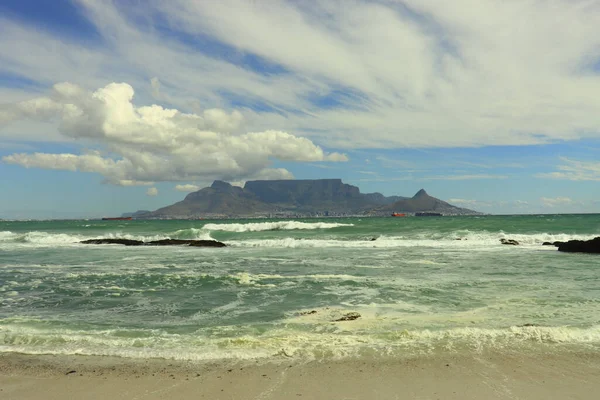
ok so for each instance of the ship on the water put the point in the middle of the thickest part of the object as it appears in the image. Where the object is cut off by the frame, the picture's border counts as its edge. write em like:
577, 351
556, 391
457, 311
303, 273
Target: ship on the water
117, 219
395, 214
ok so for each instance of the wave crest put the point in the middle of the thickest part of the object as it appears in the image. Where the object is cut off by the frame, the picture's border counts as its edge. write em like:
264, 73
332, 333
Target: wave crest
273, 226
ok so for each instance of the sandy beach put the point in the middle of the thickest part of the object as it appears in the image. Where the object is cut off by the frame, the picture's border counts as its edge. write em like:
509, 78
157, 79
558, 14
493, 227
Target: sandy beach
566, 375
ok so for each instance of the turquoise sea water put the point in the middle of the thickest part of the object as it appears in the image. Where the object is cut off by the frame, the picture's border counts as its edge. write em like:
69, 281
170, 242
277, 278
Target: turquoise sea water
417, 288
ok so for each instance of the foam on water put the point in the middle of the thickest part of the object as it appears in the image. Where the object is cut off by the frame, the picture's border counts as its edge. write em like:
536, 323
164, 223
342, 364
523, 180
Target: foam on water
457, 239
291, 341
273, 226
45, 239
417, 288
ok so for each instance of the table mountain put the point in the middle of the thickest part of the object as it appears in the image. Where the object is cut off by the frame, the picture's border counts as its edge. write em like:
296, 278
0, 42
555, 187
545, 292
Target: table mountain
302, 197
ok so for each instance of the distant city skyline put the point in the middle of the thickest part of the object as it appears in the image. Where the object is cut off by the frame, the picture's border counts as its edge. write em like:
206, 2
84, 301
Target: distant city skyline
111, 106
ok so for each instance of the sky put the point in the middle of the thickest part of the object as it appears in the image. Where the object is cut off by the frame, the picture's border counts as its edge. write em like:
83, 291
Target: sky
116, 106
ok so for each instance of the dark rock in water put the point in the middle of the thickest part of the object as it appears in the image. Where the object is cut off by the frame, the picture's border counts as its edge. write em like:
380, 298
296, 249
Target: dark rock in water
126, 242
308, 312
528, 325
179, 242
351, 316
163, 242
509, 241
551, 243
580, 246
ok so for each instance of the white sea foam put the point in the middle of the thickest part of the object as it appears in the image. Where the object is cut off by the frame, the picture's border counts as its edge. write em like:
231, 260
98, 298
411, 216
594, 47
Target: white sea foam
191, 233
273, 226
283, 342
245, 278
432, 239
44, 239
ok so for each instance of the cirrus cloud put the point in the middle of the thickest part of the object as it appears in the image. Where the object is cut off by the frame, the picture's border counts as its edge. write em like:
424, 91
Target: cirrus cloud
411, 73
575, 170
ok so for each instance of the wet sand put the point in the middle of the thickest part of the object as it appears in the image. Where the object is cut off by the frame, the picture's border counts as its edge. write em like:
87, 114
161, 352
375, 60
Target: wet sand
566, 375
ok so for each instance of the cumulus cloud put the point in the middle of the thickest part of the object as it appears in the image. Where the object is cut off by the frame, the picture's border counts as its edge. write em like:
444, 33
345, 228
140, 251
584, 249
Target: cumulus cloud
575, 170
152, 191
153, 144
187, 188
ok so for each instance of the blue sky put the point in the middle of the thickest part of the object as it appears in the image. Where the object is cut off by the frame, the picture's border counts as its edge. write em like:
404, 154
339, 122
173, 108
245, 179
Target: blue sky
114, 106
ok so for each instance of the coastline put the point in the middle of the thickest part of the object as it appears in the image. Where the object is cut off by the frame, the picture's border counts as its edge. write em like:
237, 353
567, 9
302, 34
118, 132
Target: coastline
447, 375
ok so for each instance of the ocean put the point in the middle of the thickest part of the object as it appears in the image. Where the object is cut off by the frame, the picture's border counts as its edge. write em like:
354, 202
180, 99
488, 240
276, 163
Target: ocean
276, 291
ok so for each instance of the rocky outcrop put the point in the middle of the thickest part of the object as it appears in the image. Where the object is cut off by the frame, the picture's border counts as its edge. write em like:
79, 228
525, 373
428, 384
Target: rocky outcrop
163, 242
180, 242
511, 242
126, 242
580, 246
351, 316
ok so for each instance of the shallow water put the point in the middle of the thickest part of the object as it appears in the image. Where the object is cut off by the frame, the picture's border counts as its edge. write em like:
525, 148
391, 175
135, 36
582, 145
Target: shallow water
416, 287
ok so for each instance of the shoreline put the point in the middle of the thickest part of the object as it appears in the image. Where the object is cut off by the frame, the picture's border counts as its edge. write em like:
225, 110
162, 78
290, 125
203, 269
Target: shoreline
489, 375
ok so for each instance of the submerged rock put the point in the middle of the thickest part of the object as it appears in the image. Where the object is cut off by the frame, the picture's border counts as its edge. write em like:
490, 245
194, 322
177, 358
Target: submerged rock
126, 242
163, 242
179, 242
581, 246
509, 241
552, 243
351, 316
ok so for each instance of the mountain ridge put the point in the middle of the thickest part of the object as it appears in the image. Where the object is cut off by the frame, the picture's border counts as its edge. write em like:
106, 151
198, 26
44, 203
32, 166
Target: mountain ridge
307, 197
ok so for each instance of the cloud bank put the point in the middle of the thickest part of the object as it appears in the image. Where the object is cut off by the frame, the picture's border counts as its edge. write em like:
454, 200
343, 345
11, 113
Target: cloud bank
352, 74
143, 145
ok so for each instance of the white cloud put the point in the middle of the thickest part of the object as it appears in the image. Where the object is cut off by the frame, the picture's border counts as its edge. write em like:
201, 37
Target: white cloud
574, 170
556, 201
155, 144
187, 188
416, 73
426, 73
152, 191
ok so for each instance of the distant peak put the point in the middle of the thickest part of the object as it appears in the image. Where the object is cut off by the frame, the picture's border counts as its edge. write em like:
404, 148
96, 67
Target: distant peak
220, 185
421, 193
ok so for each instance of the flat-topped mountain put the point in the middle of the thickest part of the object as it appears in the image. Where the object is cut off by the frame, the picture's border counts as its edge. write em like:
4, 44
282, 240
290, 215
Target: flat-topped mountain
295, 197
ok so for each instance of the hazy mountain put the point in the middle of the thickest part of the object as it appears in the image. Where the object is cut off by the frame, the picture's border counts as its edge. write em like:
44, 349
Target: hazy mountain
422, 202
309, 197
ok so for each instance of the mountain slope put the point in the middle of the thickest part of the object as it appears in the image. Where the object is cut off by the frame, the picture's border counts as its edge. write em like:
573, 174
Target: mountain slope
219, 198
423, 202
304, 197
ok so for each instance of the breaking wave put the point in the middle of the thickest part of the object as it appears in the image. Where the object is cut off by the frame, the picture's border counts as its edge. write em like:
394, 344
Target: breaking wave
40, 238
457, 239
279, 343
273, 226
